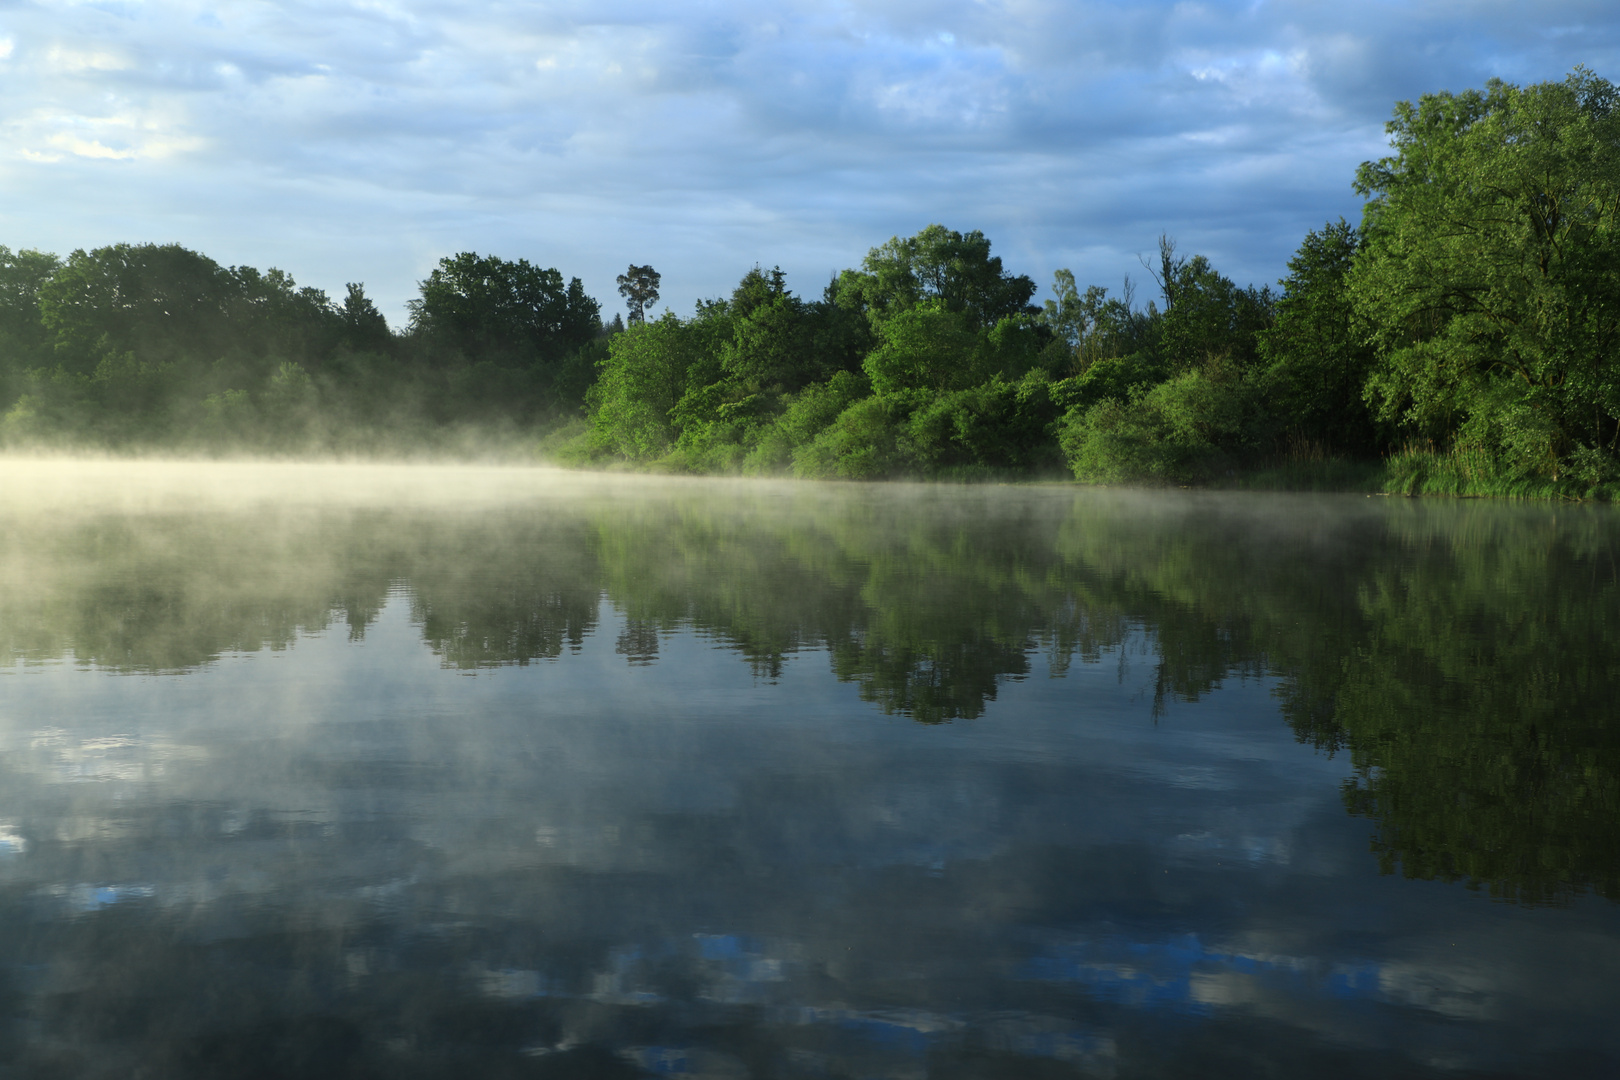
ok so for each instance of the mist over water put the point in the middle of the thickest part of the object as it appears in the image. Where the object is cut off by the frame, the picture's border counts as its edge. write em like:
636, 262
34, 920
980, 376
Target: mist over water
414, 771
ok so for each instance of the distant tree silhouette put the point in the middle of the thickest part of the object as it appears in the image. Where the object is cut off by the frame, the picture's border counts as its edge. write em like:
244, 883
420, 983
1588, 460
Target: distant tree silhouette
639, 287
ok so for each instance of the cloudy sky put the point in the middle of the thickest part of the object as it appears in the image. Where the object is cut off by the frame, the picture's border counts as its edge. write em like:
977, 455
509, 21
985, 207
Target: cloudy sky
360, 141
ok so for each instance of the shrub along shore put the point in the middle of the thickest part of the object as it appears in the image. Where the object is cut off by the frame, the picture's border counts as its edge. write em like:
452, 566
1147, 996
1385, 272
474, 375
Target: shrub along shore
1462, 339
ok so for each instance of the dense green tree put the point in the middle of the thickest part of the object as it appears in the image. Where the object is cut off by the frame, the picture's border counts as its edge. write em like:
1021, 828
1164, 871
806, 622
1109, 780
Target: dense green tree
23, 339
1193, 427
939, 264
866, 441
926, 347
806, 415
269, 315
642, 379
772, 344
25, 344
509, 313
1316, 352
1092, 327
1490, 274
765, 345
762, 347
1186, 406
159, 301
162, 304
364, 327
998, 424
1207, 319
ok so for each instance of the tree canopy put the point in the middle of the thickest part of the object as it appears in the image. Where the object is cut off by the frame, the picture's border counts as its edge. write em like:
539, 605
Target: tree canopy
940, 264
1490, 275
506, 312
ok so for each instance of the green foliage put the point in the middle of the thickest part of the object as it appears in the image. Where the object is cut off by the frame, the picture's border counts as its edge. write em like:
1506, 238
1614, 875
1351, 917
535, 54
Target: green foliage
1491, 273
1193, 427
994, 427
747, 357
938, 264
639, 385
773, 345
1207, 319
927, 347
1092, 328
24, 341
865, 442
364, 327
146, 345
509, 313
164, 299
1114, 377
167, 304
808, 414
1316, 355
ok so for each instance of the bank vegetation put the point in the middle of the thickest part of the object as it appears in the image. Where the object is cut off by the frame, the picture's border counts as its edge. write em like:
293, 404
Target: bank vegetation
1462, 338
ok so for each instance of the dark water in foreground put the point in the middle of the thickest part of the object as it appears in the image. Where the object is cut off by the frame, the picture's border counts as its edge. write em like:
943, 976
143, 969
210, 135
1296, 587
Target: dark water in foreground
618, 779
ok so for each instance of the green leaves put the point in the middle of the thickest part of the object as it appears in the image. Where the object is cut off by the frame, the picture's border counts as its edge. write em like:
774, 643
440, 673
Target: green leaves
927, 347
505, 312
1490, 279
640, 383
162, 301
1316, 356
938, 264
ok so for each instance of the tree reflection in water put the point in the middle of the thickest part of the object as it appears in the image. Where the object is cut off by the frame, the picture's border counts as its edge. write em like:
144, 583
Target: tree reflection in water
1463, 656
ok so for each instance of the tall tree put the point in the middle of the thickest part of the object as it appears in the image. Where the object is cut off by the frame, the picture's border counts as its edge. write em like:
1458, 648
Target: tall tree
364, 327
641, 381
24, 343
1208, 320
938, 264
1491, 273
157, 301
639, 287
1092, 326
1316, 352
510, 313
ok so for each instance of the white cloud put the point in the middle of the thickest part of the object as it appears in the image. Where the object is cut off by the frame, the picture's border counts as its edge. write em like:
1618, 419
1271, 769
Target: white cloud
90, 148
70, 61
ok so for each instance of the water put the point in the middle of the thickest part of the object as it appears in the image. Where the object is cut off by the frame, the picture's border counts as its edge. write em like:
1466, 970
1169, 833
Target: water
417, 773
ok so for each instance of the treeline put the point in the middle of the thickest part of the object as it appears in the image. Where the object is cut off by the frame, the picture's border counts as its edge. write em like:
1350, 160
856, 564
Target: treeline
138, 346
1462, 337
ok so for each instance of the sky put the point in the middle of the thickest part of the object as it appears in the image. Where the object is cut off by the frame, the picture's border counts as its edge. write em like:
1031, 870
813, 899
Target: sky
362, 141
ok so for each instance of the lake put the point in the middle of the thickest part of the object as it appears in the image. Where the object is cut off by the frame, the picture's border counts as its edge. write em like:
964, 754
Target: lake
390, 771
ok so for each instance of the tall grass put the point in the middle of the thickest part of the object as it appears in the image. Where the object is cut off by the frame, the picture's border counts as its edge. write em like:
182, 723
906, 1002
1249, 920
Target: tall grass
1309, 465
1473, 472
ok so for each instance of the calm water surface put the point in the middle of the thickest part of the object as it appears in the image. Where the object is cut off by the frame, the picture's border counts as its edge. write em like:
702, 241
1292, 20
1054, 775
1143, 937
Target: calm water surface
499, 773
